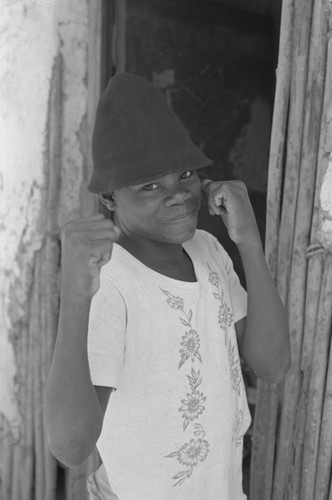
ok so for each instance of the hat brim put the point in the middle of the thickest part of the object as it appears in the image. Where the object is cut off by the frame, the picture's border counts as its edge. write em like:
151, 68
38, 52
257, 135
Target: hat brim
145, 170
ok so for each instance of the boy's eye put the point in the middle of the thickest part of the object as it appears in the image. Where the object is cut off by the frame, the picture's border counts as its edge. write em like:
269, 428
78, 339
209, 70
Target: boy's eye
186, 174
150, 187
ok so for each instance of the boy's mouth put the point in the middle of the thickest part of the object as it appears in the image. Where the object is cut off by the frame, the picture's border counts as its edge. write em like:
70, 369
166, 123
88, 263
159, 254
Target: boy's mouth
183, 215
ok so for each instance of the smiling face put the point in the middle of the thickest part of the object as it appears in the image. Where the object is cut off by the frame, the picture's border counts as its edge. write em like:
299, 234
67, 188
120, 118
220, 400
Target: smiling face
163, 211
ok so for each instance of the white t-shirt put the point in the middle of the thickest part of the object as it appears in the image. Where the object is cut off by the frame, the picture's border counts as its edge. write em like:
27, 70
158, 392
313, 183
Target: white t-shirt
174, 427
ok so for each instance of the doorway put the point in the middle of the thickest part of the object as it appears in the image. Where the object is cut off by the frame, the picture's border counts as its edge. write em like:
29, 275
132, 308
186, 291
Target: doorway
215, 62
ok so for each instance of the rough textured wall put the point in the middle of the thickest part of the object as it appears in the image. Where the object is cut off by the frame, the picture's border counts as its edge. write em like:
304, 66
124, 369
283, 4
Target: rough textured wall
27, 54
45, 124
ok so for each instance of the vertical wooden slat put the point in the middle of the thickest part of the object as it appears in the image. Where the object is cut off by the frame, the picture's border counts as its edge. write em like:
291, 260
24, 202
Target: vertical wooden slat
279, 124
299, 66
51, 256
315, 270
38, 336
314, 279
262, 458
298, 272
26, 466
317, 385
324, 465
75, 479
300, 282
6, 459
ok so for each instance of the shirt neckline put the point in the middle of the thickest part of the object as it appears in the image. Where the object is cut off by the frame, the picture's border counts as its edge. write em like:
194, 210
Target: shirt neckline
163, 277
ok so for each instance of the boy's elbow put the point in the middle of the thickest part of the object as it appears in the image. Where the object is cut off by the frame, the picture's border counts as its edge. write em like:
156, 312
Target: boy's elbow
275, 374
70, 457
73, 450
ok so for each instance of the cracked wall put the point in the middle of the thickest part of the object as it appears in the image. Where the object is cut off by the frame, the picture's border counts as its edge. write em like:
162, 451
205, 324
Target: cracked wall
45, 162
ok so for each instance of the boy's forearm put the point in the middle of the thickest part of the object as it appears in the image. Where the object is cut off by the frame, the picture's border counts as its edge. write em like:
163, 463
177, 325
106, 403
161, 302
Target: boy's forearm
72, 410
266, 339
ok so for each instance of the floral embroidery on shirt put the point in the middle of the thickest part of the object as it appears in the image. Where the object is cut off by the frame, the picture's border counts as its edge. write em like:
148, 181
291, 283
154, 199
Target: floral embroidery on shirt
236, 434
225, 316
192, 452
196, 450
190, 349
190, 341
192, 407
235, 367
225, 320
174, 301
213, 278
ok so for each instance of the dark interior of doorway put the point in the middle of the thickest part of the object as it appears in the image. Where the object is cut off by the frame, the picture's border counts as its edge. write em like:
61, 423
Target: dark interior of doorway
215, 62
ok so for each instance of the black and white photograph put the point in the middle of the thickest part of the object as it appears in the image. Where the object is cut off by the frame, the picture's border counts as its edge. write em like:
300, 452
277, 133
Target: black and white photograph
166, 250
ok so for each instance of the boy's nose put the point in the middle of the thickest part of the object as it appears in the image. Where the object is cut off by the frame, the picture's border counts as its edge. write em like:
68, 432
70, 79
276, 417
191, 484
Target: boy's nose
178, 196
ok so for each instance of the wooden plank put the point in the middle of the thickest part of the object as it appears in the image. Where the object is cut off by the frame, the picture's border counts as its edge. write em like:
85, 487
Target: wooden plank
262, 457
301, 231
317, 384
300, 56
278, 136
324, 464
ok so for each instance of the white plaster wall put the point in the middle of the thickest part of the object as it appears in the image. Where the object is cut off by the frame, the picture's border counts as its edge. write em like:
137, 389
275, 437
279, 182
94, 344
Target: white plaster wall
33, 33
28, 43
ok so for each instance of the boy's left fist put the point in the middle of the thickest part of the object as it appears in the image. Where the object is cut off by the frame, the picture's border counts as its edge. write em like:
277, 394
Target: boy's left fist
230, 200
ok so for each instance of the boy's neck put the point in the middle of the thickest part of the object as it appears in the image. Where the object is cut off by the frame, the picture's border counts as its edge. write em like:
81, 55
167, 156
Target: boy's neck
168, 259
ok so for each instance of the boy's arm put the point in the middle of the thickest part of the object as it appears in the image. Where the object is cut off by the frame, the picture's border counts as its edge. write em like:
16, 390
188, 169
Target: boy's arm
263, 336
74, 408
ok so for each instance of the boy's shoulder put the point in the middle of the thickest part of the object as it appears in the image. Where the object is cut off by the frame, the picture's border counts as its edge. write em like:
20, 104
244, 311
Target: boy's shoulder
206, 241
202, 236
120, 264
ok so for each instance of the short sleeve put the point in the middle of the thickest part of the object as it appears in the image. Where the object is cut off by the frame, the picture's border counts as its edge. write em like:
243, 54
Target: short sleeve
106, 334
237, 293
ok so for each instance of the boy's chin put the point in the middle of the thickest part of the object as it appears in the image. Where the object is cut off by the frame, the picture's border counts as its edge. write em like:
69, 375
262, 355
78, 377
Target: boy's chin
179, 237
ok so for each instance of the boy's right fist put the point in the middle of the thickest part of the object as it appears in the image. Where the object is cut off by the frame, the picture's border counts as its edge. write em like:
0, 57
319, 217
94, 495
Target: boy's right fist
86, 246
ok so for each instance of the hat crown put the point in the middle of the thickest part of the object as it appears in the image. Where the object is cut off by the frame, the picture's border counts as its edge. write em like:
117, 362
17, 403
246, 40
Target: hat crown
136, 135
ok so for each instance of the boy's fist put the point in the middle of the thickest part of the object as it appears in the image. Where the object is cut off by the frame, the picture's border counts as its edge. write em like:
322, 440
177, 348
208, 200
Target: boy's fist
230, 200
86, 246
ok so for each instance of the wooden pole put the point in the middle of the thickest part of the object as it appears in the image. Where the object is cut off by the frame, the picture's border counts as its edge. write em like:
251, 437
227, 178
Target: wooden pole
317, 385
302, 284
75, 479
298, 274
277, 146
262, 458
324, 463
6, 461
299, 65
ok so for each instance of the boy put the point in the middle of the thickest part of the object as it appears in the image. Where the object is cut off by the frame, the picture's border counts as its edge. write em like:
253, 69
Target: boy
146, 361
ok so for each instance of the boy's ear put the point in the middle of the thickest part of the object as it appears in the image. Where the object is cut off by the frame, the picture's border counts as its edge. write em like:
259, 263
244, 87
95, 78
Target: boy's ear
108, 201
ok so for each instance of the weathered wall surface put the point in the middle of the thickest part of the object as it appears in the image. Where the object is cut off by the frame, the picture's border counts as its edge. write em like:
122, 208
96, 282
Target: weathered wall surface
45, 124
27, 54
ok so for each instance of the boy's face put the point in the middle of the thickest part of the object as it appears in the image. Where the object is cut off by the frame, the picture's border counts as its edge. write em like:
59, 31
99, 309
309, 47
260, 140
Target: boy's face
164, 210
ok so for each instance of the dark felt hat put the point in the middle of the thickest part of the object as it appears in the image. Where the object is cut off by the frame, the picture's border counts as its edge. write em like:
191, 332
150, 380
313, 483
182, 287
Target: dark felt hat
137, 137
